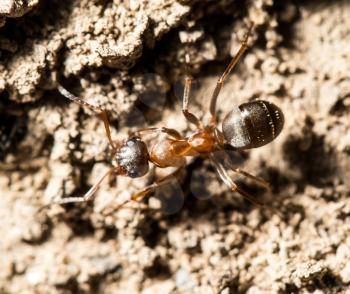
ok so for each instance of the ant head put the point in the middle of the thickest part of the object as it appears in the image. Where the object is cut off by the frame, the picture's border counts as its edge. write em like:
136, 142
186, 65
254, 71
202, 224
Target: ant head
132, 158
252, 124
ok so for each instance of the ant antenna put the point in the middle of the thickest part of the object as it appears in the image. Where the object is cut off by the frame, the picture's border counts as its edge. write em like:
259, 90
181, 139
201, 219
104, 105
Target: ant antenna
80, 101
97, 109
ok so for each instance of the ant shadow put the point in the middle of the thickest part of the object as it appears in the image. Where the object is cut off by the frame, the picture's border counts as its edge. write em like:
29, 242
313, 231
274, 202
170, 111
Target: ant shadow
311, 157
13, 129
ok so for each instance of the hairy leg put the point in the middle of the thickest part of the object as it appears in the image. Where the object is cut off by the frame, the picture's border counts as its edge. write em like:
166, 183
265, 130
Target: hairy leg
223, 174
145, 191
188, 115
260, 181
170, 132
222, 79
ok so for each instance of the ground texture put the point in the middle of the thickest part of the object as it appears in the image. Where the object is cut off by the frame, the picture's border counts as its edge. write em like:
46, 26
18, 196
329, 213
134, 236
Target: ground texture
129, 57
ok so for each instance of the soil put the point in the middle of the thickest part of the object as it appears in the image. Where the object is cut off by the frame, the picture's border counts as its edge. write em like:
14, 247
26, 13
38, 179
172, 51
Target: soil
193, 236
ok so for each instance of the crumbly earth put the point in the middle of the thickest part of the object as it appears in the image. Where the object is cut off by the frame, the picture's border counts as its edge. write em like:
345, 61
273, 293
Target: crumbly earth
193, 236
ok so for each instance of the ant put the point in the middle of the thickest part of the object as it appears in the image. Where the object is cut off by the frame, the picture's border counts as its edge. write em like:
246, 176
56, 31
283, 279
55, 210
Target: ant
250, 125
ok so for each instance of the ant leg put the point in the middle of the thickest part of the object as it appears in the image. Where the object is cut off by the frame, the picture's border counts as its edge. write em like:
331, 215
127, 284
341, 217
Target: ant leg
222, 172
97, 109
170, 132
86, 197
261, 181
220, 82
144, 192
188, 115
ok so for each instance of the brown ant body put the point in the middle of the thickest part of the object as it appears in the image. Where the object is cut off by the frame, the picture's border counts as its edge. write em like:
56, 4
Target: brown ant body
249, 125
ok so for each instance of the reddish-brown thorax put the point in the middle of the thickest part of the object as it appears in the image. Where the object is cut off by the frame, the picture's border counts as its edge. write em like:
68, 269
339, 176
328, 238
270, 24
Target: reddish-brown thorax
170, 152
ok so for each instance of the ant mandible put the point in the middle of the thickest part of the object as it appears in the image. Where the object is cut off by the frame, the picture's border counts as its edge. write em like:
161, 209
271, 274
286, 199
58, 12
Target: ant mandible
250, 125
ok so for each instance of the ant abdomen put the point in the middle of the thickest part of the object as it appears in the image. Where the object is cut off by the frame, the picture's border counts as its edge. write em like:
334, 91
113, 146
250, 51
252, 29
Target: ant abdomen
132, 158
252, 124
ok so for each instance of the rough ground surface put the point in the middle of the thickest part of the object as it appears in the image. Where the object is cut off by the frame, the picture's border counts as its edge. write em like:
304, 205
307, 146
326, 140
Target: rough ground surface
128, 56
